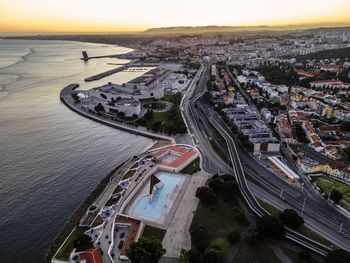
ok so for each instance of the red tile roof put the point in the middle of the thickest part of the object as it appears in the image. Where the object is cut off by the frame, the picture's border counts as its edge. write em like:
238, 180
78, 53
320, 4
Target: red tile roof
183, 153
134, 227
183, 158
91, 255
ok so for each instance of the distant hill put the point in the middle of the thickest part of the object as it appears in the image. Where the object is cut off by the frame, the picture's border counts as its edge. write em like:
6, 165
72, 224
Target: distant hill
205, 29
185, 30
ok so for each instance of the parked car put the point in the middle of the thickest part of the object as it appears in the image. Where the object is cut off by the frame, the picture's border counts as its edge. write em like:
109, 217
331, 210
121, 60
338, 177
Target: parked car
123, 258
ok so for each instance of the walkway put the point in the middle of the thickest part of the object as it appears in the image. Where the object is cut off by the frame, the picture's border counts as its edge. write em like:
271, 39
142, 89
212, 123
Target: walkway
279, 252
177, 236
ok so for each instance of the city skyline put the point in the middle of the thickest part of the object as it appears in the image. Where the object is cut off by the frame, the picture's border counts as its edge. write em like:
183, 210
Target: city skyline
112, 16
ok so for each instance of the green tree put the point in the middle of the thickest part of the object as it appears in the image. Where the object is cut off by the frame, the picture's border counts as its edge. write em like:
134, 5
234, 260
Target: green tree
82, 243
338, 256
345, 126
291, 218
211, 255
231, 188
336, 196
233, 236
206, 195
216, 184
270, 227
346, 153
99, 108
184, 256
145, 251
199, 236
227, 177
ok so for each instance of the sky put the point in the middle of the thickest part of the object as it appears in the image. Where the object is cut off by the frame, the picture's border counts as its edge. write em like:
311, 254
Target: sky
135, 15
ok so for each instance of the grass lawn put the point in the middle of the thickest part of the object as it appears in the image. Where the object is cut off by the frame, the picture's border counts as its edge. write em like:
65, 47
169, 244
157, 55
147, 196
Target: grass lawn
294, 256
134, 166
153, 233
157, 117
64, 252
111, 202
118, 189
192, 167
129, 174
313, 235
327, 184
168, 122
258, 253
98, 221
219, 220
269, 208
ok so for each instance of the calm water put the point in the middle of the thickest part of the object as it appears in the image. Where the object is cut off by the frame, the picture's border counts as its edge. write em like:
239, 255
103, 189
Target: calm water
50, 157
153, 210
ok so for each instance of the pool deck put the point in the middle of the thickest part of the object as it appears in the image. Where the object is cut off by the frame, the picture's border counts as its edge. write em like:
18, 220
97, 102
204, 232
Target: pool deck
177, 236
174, 200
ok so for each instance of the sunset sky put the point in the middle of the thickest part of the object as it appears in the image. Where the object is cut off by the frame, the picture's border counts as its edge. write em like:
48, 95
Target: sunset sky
131, 15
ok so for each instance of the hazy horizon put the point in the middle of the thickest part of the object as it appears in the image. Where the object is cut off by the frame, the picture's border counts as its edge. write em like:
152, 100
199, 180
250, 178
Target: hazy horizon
274, 27
107, 16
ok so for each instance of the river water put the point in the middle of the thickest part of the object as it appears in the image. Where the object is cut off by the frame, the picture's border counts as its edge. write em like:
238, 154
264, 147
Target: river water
50, 157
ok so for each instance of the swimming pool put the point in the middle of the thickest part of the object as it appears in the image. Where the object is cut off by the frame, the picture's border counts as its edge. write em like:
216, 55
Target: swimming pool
154, 210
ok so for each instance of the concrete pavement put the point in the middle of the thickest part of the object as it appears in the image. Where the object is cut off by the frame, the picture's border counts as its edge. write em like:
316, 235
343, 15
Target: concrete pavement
177, 236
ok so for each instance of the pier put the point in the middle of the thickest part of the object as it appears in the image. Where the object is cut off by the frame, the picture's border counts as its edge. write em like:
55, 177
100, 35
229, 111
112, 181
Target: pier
86, 57
106, 73
119, 69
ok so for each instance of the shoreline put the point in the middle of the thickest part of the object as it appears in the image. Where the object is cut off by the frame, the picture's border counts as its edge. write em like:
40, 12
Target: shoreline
76, 216
74, 219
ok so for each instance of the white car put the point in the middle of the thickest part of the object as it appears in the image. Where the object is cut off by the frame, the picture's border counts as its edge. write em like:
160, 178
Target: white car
123, 258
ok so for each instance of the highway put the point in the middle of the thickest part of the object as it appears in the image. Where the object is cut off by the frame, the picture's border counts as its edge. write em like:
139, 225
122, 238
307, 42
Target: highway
212, 163
315, 205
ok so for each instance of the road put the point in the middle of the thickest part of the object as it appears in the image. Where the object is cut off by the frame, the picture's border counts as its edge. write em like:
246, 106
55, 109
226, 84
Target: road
315, 205
213, 163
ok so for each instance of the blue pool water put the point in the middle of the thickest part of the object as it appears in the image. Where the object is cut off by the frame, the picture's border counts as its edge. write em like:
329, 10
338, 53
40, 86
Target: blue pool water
154, 210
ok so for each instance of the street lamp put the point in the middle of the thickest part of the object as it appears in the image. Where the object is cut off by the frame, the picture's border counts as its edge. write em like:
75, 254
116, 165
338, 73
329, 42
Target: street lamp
281, 193
302, 210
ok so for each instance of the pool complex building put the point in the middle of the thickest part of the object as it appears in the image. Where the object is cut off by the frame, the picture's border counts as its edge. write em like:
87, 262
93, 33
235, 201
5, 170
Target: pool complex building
149, 207
153, 201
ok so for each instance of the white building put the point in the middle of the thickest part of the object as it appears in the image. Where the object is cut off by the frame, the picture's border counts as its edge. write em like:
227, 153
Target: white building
130, 107
138, 91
